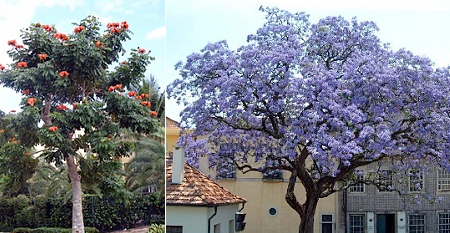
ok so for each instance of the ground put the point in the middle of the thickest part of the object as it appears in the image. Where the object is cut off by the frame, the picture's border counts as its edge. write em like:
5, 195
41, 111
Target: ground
142, 229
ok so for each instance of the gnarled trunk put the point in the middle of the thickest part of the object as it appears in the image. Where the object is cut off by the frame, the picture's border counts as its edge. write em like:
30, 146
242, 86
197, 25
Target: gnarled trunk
77, 208
307, 210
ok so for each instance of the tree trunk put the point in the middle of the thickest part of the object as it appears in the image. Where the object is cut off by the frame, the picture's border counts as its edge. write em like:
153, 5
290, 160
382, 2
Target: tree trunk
307, 214
77, 208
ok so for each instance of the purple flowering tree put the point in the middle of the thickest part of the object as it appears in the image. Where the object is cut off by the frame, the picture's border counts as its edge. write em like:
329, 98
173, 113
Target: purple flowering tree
322, 100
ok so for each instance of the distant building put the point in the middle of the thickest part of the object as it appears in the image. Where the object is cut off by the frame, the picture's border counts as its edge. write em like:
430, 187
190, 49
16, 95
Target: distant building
195, 203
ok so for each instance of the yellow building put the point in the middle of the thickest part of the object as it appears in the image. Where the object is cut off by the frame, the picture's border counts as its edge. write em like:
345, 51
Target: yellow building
266, 208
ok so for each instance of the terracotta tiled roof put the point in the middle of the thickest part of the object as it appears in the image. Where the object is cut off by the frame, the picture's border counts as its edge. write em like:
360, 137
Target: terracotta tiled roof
171, 124
196, 189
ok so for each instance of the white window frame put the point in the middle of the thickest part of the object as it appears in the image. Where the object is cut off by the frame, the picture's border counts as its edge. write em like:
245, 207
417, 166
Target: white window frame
391, 181
443, 180
424, 225
445, 225
350, 227
413, 183
327, 222
358, 188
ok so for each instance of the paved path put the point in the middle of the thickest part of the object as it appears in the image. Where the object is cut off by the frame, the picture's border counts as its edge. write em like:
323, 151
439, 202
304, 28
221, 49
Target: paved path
143, 229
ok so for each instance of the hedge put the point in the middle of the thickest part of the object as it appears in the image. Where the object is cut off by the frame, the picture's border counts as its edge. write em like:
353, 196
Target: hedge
105, 214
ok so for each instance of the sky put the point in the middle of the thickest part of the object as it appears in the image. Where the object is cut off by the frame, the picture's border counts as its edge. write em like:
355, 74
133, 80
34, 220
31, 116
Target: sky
146, 20
416, 25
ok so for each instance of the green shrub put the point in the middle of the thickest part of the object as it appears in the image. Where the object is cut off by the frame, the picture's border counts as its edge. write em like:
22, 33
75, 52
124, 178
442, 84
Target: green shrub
22, 230
156, 228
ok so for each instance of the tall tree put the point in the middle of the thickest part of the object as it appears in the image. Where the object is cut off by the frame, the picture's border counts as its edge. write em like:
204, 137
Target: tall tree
321, 100
67, 86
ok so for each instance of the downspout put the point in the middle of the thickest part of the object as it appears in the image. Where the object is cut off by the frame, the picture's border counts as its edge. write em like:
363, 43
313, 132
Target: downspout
243, 205
345, 208
209, 219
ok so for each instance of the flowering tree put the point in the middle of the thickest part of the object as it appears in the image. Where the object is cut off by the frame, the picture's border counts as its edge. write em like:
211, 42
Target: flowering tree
72, 104
319, 100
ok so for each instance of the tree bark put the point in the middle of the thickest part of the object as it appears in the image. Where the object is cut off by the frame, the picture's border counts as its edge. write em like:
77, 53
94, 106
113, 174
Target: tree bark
307, 213
77, 208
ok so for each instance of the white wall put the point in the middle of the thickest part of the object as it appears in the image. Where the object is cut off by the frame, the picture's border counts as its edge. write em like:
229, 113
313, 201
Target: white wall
193, 219
223, 217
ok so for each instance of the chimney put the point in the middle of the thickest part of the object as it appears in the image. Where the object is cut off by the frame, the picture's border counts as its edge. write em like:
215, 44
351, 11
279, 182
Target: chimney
178, 165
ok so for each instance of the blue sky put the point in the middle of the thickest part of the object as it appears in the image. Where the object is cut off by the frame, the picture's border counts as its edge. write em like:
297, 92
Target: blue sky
145, 17
419, 26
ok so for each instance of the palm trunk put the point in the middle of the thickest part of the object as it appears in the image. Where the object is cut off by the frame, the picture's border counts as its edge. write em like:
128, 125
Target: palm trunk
77, 208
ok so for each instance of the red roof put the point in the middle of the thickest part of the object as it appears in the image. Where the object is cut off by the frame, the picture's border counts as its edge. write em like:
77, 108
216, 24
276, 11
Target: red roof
196, 189
171, 124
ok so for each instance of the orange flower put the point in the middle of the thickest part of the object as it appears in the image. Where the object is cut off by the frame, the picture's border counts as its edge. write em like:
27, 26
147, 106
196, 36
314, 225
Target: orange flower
119, 86
111, 88
12, 110
146, 103
141, 50
138, 97
22, 64
63, 74
26, 92
27, 154
114, 30
98, 44
31, 101
74, 106
132, 93
124, 25
123, 63
62, 107
42, 56
61, 36
38, 25
153, 113
53, 128
19, 46
78, 29
2, 67
2, 130
47, 28
12, 42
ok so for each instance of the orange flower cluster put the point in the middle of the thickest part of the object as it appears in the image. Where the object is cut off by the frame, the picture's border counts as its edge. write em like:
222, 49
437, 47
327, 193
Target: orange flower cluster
27, 154
114, 30
26, 92
53, 128
42, 56
62, 107
113, 88
132, 93
114, 27
19, 46
47, 28
61, 36
78, 29
63, 74
98, 44
31, 101
22, 64
123, 63
141, 50
146, 103
2, 130
153, 113
12, 42
144, 96
38, 25
12, 110
74, 106
2, 67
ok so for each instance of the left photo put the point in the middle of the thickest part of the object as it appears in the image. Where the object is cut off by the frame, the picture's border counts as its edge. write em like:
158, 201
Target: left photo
82, 116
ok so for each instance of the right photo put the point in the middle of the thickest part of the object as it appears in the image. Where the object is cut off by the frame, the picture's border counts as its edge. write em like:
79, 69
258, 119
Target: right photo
307, 116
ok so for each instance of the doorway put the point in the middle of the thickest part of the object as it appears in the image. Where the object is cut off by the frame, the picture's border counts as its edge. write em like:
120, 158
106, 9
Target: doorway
385, 223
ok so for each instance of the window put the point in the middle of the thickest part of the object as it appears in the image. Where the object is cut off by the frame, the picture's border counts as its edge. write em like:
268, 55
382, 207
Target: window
174, 229
358, 187
415, 181
385, 181
416, 223
443, 181
357, 223
271, 174
326, 223
444, 223
231, 226
217, 228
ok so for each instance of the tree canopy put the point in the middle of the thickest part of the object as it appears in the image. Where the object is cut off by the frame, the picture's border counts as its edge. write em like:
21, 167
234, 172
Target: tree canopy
321, 100
77, 99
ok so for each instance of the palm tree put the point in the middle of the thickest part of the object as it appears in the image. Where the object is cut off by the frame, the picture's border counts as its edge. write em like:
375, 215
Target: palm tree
146, 168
